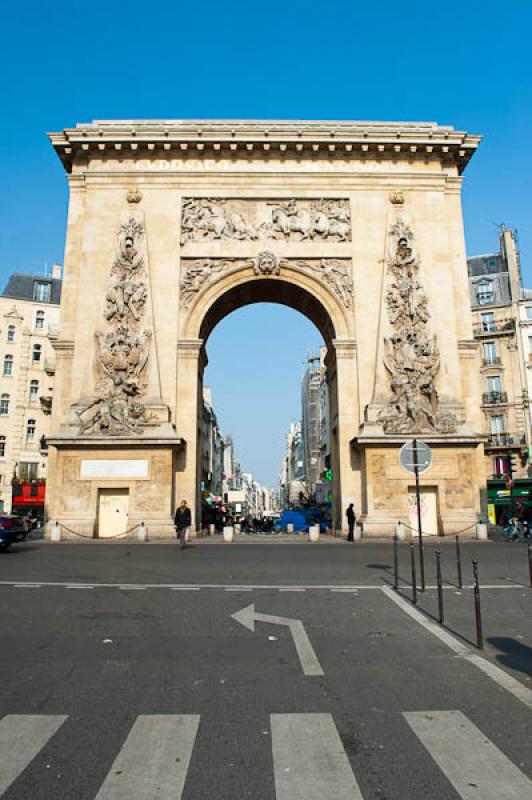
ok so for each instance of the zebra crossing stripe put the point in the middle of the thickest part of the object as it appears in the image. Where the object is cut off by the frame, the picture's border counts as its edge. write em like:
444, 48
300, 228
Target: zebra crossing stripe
154, 759
309, 759
475, 767
21, 738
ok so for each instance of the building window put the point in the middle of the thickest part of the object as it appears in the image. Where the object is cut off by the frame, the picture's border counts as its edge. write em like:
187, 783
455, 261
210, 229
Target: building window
36, 354
8, 365
488, 321
10, 333
4, 404
30, 430
2, 446
27, 471
497, 425
494, 384
484, 293
490, 353
34, 390
42, 292
502, 466
39, 320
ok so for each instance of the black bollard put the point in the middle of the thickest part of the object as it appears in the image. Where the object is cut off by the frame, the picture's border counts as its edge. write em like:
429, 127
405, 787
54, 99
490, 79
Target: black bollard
414, 579
476, 589
440, 588
395, 563
458, 564
530, 563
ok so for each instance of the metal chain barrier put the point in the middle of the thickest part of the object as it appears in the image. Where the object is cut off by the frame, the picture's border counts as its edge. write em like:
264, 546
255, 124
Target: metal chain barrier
88, 536
455, 533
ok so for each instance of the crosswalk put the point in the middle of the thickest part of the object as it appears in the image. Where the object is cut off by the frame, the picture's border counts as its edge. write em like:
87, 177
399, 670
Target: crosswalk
309, 759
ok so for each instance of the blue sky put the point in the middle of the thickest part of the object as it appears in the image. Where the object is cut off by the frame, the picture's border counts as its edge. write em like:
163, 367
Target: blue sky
466, 64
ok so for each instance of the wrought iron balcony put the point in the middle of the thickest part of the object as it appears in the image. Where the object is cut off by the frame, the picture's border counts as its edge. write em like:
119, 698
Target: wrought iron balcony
491, 361
494, 398
494, 328
505, 440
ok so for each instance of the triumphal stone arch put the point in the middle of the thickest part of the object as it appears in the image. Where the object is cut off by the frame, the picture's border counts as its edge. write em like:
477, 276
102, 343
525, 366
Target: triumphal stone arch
174, 224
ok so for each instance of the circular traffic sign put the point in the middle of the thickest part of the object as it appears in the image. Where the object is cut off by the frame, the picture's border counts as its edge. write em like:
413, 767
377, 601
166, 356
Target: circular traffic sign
408, 453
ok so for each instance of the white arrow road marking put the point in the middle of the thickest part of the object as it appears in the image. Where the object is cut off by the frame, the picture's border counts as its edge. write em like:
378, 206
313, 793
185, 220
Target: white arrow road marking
309, 660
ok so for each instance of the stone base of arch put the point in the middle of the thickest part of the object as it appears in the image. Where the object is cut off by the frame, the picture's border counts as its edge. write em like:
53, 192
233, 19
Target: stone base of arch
452, 483
80, 470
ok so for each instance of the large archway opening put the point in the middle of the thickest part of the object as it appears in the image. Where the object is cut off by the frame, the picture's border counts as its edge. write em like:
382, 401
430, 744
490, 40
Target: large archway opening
306, 296
263, 444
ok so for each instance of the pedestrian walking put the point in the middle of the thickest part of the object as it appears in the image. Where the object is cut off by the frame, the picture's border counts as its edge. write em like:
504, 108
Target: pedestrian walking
351, 522
182, 522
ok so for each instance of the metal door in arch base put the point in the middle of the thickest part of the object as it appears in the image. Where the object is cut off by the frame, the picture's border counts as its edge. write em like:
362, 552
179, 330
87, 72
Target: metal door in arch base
428, 496
113, 510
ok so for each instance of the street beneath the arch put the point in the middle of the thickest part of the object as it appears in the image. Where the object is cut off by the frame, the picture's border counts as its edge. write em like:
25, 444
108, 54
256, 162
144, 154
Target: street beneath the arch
124, 673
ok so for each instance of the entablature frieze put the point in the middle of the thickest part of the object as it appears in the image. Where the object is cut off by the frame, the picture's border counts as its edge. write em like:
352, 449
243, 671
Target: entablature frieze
301, 138
234, 184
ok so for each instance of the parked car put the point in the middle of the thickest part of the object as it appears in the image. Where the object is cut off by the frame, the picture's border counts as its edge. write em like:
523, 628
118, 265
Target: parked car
12, 529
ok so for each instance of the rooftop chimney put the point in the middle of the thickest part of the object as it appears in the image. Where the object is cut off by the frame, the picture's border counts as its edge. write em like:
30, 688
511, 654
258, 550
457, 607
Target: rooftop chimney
57, 269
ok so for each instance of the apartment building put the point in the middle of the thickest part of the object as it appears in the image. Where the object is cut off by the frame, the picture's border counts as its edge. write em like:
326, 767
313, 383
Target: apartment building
500, 320
29, 313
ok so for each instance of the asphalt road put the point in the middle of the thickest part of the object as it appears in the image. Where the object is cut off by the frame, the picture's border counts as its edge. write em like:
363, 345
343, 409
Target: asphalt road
159, 675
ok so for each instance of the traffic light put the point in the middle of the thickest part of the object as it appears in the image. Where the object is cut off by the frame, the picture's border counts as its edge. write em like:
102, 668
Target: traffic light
514, 463
328, 474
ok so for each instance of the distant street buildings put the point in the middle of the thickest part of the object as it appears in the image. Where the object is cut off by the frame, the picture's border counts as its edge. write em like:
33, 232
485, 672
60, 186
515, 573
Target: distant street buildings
225, 488
305, 471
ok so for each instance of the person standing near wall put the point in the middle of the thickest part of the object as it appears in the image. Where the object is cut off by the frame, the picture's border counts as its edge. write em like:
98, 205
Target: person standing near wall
351, 521
182, 522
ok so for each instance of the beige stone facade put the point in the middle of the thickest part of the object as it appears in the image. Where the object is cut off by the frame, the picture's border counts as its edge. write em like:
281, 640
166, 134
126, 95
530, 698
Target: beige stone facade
173, 225
497, 303
27, 367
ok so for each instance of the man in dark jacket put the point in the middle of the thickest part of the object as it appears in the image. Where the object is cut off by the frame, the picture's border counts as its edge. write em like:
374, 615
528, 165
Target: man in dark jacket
182, 522
351, 519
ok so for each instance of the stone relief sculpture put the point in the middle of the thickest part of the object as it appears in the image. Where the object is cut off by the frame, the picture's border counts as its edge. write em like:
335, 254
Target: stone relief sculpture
266, 263
246, 220
121, 350
411, 355
335, 273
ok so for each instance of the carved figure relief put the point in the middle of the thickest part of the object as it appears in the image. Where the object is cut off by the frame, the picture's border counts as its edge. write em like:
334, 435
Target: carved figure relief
411, 355
121, 350
335, 273
249, 220
266, 263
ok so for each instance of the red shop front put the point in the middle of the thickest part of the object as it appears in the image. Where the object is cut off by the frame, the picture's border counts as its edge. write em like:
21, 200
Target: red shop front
28, 496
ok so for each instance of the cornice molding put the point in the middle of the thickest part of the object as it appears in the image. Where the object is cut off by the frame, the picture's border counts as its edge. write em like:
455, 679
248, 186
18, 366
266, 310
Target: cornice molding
304, 138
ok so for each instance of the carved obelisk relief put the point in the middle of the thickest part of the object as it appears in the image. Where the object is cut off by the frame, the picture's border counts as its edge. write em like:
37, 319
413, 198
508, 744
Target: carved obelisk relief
411, 356
123, 343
